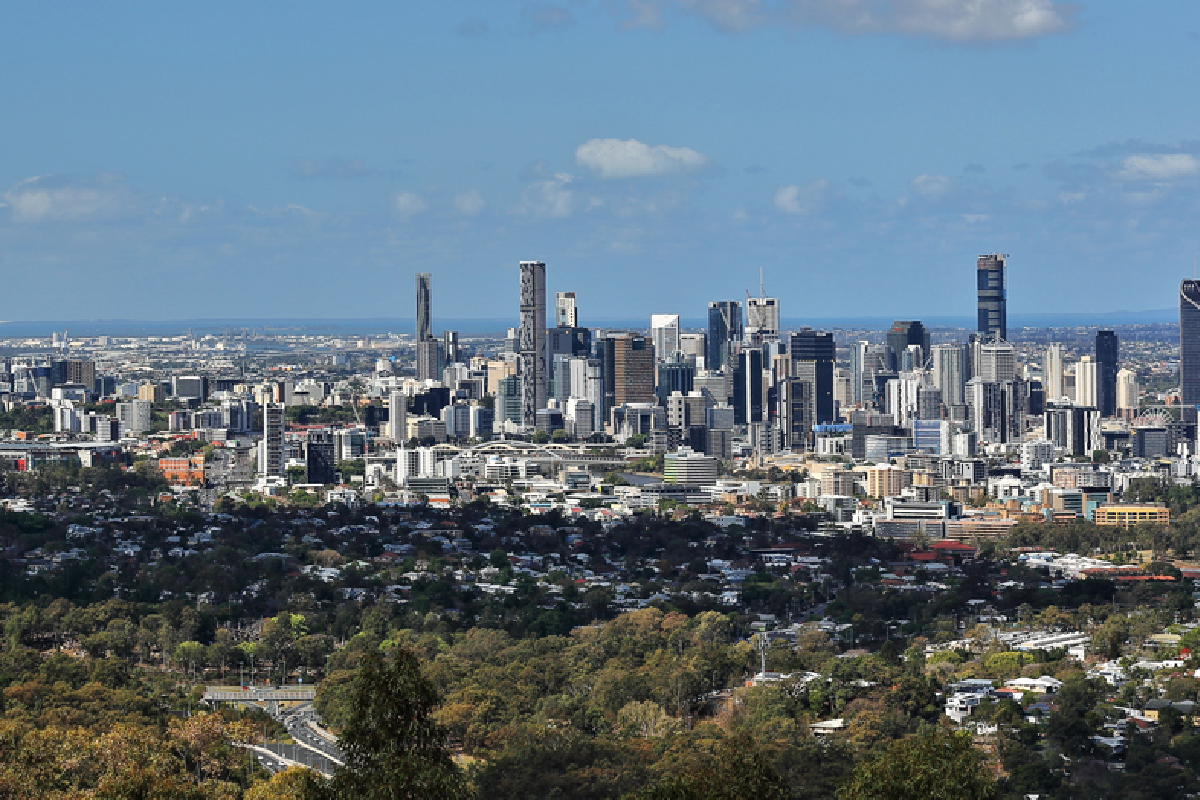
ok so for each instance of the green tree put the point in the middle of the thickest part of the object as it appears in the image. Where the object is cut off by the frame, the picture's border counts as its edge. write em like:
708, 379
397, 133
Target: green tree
394, 750
942, 765
739, 768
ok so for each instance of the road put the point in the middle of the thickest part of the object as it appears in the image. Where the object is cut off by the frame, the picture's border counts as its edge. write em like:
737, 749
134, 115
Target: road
297, 721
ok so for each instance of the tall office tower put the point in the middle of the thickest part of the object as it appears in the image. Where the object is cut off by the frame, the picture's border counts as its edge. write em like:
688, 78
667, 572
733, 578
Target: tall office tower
565, 314
80, 371
424, 307
858, 373
949, 372
451, 347
270, 460
724, 328
929, 402
997, 361
904, 333
692, 345
1189, 342
992, 302
1107, 358
762, 314
676, 374
1075, 428
429, 360
813, 356
1052, 372
664, 331
797, 413
748, 403
998, 409
1086, 380
532, 343
1127, 390
633, 369
320, 456
397, 416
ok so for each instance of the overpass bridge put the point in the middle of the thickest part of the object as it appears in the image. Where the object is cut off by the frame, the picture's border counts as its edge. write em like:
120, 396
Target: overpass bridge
269, 697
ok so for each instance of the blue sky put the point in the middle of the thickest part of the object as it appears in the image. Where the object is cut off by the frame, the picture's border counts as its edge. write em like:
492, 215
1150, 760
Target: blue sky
276, 159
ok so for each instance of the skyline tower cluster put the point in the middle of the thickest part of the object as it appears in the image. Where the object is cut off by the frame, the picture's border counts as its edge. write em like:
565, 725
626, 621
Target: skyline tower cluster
741, 381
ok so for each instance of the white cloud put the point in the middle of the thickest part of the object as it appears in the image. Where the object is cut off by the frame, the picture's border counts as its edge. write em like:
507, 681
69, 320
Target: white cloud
49, 199
978, 20
469, 203
550, 198
643, 14
930, 185
801, 199
616, 158
734, 16
965, 21
408, 205
1159, 167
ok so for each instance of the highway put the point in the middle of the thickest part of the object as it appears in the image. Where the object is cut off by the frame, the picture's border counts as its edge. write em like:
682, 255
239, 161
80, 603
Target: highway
298, 722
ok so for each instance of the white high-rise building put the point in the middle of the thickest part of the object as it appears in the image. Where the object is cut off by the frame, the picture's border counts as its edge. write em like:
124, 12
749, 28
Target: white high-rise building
664, 332
1085, 382
1052, 372
692, 345
134, 416
397, 415
565, 314
580, 417
949, 372
762, 314
1127, 389
997, 362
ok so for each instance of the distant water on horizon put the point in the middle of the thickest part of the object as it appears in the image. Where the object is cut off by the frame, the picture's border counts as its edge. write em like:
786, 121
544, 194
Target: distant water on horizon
496, 326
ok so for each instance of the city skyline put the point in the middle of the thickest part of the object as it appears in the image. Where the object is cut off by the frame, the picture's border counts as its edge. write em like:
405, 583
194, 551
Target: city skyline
716, 139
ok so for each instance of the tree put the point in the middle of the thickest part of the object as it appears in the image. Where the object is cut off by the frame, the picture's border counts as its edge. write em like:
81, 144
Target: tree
393, 747
739, 768
936, 766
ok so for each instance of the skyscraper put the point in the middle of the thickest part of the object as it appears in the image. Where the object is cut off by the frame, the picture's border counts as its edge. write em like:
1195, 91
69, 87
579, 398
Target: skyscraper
1052, 372
1107, 358
1189, 342
1086, 380
270, 458
565, 314
949, 372
424, 307
997, 362
904, 333
532, 340
724, 327
813, 356
1127, 389
664, 330
633, 369
762, 314
992, 302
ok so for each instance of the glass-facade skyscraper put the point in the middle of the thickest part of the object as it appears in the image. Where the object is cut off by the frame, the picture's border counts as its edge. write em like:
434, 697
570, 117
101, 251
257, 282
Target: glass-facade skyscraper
1107, 358
1189, 342
992, 303
724, 326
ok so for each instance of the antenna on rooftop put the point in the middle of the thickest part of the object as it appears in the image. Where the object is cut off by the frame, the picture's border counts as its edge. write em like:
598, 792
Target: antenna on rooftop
761, 291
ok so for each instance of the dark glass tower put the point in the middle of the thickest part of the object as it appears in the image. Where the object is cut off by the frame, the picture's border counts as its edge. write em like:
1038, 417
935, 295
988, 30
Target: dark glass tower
813, 356
902, 334
992, 303
1189, 342
1107, 357
724, 326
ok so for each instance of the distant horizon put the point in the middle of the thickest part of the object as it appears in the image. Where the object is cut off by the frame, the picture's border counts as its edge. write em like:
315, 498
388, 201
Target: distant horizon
491, 325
